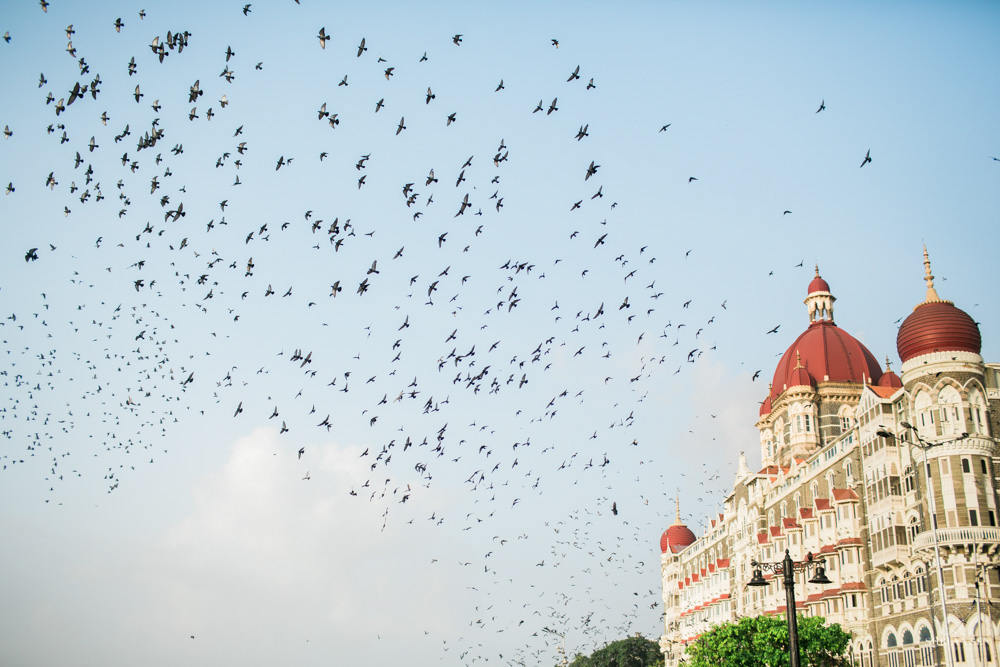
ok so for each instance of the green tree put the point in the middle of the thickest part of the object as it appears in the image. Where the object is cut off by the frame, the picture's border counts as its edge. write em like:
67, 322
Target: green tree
635, 651
762, 641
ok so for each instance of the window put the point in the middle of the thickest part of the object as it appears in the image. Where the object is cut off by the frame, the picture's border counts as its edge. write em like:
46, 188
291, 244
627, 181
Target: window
973, 518
966, 466
808, 425
993, 518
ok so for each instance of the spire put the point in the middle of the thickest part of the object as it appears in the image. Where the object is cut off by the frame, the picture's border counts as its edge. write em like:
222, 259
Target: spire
888, 367
677, 521
798, 360
932, 295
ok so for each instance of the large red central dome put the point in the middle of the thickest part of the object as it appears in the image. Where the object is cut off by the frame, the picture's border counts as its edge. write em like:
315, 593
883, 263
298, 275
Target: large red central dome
823, 352
828, 354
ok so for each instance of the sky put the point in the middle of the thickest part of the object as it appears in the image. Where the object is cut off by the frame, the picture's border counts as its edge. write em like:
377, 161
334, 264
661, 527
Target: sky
547, 325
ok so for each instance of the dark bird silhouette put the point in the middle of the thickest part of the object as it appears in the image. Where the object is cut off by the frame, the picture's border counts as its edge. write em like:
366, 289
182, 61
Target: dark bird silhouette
774, 330
868, 158
822, 105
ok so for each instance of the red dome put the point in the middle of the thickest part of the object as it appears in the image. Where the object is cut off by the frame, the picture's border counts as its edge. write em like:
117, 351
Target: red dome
890, 379
829, 354
676, 538
765, 406
818, 284
937, 326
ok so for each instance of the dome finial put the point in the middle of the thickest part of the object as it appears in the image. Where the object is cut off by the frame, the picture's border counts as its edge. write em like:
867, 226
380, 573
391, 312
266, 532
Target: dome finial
798, 360
677, 520
888, 366
932, 295
817, 269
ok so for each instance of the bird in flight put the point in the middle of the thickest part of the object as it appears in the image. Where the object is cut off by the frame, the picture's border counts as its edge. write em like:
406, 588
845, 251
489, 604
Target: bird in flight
822, 105
868, 158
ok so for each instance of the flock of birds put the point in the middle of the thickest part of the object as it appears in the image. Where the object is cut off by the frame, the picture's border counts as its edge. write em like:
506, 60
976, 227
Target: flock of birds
452, 365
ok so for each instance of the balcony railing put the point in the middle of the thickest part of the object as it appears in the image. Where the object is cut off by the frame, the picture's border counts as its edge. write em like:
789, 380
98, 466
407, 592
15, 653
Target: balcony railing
966, 535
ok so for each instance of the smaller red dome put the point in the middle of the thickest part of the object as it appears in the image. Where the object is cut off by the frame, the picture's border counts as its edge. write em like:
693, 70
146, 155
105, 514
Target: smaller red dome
799, 376
765, 406
937, 327
818, 284
676, 537
890, 379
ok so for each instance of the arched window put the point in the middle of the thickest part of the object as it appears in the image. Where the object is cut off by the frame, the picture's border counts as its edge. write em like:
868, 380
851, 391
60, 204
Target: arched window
798, 504
924, 414
950, 411
849, 470
784, 509
977, 413
890, 640
907, 637
814, 489
925, 634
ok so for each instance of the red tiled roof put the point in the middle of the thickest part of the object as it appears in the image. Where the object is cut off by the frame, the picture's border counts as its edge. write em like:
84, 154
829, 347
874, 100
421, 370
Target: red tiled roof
722, 562
853, 586
775, 531
848, 540
762, 538
844, 495
883, 392
823, 504
806, 512
789, 522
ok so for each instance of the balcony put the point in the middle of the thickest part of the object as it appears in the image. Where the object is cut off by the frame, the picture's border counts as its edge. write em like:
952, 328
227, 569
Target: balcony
969, 535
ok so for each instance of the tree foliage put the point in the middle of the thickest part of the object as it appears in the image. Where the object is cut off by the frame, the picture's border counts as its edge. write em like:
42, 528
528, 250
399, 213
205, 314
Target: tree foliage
635, 651
762, 641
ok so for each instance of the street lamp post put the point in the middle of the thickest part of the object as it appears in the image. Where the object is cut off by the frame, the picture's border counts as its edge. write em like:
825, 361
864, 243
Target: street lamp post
788, 568
923, 446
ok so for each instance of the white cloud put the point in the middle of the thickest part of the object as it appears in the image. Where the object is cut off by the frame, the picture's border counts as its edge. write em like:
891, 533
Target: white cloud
270, 567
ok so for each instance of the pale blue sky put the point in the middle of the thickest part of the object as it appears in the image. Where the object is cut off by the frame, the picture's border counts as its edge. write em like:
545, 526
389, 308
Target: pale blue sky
142, 512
